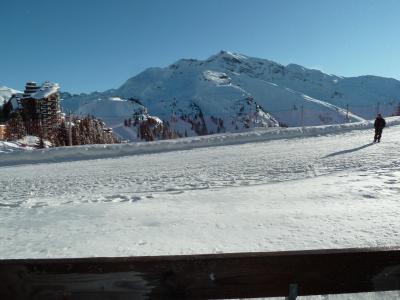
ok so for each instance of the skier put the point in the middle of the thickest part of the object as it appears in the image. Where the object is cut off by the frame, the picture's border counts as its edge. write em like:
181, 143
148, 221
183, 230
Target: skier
379, 124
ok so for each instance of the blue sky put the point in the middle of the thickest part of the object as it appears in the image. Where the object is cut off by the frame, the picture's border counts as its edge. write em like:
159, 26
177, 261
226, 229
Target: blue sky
88, 45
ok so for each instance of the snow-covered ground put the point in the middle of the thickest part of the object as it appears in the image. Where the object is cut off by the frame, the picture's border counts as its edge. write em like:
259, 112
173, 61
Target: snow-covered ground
336, 190
328, 191
28, 143
13, 154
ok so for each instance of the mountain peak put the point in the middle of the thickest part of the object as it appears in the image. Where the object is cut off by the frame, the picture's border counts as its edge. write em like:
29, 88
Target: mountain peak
228, 56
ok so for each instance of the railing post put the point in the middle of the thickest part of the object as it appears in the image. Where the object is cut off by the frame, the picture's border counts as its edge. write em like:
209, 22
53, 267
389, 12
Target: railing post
293, 291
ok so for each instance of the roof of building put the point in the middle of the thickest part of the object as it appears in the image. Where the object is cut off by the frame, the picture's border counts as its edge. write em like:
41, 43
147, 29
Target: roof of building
45, 90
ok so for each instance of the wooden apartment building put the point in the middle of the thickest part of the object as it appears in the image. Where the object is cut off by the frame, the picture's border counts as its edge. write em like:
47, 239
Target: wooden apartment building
41, 108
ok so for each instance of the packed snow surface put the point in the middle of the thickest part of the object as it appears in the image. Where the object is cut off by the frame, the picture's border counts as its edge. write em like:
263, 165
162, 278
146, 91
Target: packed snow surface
13, 157
28, 143
331, 191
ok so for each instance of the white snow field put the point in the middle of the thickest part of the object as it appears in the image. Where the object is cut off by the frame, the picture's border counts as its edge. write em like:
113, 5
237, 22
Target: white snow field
336, 190
63, 154
330, 191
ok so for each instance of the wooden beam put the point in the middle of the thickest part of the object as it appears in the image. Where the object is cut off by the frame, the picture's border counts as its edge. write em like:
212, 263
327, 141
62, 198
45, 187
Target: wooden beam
209, 276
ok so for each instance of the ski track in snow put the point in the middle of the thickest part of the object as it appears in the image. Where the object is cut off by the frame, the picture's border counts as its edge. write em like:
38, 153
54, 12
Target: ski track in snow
128, 179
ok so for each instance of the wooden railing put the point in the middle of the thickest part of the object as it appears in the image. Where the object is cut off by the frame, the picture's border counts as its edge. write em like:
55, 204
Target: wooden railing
209, 276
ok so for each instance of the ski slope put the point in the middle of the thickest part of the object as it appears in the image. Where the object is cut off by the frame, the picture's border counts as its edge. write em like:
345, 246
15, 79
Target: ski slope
330, 191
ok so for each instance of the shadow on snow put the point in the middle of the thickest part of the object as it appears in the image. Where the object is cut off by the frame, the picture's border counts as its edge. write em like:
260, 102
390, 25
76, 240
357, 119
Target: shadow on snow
348, 150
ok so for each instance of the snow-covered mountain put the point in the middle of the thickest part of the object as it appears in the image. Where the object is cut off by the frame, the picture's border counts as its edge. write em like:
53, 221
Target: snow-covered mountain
232, 92
6, 93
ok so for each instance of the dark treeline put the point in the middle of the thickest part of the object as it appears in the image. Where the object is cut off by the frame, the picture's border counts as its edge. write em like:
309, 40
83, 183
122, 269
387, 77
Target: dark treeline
151, 129
76, 131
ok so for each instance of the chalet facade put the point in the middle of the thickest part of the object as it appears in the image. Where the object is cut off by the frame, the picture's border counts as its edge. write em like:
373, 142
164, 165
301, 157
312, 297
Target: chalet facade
40, 105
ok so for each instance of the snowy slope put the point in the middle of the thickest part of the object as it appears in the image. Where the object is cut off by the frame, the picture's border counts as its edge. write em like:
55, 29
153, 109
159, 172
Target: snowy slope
184, 80
330, 191
6, 93
200, 97
357, 92
112, 109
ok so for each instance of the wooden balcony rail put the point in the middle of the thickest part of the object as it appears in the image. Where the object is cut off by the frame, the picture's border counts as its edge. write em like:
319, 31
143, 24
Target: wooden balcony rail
208, 276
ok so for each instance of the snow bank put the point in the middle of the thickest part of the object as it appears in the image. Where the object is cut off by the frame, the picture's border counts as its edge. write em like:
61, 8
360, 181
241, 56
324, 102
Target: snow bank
29, 142
8, 147
62, 154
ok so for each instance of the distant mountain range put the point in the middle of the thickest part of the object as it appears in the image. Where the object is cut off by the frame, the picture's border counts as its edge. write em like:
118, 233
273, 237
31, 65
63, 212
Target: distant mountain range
234, 92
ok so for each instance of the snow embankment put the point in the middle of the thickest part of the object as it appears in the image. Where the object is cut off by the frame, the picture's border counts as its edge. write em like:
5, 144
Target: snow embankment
9, 147
62, 154
28, 143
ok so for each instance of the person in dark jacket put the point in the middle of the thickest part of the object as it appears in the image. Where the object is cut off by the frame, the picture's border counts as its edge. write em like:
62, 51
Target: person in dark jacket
379, 124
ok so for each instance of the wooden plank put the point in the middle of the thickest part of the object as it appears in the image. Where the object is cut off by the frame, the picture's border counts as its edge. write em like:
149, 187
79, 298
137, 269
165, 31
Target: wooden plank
209, 276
